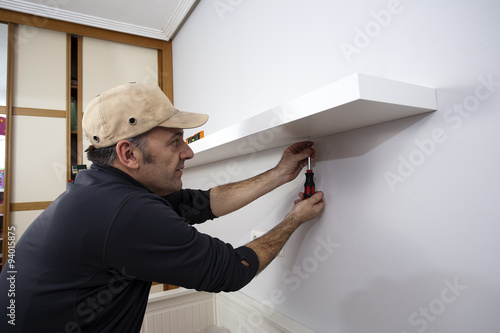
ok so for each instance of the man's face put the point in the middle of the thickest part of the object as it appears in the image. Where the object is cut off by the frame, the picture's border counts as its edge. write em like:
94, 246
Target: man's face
168, 151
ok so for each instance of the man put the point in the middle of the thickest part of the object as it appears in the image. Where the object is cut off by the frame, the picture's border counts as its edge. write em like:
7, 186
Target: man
87, 262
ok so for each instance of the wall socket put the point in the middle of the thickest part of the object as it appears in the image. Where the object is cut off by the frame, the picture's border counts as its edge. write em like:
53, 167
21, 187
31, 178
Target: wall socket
254, 234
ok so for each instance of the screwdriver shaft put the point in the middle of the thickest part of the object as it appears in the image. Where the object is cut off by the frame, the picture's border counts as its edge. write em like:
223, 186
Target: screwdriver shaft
309, 157
309, 186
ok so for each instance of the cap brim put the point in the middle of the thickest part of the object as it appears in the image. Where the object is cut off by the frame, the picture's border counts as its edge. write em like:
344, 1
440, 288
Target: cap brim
185, 120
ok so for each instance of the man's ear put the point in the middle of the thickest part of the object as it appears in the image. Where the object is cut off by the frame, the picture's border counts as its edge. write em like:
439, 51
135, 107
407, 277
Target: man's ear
127, 154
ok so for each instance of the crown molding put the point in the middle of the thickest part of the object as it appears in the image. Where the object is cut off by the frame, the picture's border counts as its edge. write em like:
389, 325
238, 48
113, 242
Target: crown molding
180, 14
175, 21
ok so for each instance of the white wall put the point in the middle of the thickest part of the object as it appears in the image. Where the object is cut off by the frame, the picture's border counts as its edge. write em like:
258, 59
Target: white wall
412, 214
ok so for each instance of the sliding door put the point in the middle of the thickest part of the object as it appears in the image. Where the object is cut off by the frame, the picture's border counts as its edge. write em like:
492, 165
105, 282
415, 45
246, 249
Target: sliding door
38, 123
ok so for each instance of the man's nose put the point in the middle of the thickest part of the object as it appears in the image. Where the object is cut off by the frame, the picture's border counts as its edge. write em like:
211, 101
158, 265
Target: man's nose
186, 153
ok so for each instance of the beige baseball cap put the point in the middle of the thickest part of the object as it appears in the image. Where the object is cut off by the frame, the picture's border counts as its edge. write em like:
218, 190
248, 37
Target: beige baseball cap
131, 109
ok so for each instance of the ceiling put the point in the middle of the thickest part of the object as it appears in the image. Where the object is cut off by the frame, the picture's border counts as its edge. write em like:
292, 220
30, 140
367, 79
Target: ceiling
159, 19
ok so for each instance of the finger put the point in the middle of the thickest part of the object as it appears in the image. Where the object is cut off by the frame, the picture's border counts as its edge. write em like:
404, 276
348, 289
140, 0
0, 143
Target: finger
305, 153
301, 196
317, 197
299, 146
313, 155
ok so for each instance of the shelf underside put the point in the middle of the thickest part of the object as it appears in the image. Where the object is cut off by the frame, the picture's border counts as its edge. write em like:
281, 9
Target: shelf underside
316, 114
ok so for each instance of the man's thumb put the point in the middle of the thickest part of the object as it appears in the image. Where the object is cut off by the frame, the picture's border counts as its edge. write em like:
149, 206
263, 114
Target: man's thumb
317, 197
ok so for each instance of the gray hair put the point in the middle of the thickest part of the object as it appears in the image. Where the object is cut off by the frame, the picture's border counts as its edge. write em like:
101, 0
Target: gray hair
107, 155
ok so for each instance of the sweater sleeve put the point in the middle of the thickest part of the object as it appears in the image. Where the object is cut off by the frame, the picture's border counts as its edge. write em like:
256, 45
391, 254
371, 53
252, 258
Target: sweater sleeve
150, 241
193, 205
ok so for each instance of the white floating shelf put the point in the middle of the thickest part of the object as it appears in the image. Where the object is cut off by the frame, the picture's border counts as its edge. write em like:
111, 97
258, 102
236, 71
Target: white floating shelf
356, 101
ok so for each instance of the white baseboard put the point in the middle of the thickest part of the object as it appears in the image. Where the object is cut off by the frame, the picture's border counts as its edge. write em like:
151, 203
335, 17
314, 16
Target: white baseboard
242, 314
178, 310
183, 310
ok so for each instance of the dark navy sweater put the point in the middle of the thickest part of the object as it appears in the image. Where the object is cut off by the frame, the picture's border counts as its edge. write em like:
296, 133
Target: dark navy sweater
87, 262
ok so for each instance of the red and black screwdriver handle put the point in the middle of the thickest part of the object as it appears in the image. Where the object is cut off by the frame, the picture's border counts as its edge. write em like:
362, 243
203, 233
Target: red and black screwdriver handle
309, 184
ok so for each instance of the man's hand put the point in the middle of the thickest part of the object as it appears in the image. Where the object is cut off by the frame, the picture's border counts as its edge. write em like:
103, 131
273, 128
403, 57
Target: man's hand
306, 209
268, 246
294, 159
227, 198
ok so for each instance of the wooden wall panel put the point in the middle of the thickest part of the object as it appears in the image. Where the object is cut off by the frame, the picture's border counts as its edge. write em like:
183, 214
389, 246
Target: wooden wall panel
38, 164
109, 64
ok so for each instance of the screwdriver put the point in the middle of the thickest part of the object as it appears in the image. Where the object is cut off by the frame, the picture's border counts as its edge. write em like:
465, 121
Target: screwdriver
309, 184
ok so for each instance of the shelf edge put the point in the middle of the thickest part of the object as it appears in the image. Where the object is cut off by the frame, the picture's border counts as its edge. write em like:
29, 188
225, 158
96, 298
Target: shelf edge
356, 96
